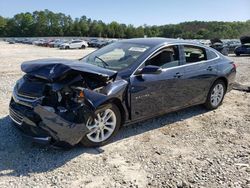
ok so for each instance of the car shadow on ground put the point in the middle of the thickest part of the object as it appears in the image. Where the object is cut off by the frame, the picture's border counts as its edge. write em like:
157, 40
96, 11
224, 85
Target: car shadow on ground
20, 157
158, 122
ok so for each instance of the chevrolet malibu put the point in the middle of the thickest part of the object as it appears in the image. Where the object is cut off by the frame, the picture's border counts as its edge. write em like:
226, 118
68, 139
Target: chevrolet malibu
66, 102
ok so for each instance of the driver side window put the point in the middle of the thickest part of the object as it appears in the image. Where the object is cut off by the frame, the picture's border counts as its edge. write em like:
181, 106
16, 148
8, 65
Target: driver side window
165, 58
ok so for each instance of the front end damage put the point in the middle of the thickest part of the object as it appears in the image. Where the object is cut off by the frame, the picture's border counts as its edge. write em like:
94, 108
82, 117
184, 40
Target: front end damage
55, 110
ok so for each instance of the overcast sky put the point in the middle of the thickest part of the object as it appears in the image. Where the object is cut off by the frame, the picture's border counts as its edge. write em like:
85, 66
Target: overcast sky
137, 12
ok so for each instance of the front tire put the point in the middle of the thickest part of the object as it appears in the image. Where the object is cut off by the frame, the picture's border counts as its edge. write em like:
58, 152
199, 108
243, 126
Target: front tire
216, 95
104, 127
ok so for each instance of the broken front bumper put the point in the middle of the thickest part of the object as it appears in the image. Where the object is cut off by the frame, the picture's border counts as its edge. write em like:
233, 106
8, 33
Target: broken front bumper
46, 126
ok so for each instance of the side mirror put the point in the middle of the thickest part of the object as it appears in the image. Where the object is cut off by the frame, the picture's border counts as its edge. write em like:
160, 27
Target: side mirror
151, 69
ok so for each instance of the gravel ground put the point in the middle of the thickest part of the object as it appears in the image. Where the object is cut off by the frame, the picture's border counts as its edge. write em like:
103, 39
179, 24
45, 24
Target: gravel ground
188, 148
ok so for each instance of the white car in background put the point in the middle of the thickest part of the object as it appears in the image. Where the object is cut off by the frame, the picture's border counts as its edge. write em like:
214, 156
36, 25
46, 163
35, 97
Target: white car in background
74, 44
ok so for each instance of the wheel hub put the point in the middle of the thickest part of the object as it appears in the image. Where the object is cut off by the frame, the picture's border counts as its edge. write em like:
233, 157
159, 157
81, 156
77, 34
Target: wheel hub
102, 127
217, 94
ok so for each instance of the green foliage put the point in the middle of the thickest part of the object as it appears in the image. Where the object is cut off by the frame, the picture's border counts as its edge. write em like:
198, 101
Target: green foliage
3, 23
46, 23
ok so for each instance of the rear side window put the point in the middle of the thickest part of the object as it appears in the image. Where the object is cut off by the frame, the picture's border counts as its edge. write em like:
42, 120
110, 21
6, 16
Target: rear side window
194, 54
211, 54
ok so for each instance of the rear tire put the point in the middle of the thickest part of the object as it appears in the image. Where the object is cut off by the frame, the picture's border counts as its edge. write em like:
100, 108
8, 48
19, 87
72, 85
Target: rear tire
67, 47
216, 95
83, 47
104, 127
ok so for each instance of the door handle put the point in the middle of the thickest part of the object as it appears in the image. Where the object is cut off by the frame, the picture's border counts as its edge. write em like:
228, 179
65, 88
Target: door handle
178, 75
210, 68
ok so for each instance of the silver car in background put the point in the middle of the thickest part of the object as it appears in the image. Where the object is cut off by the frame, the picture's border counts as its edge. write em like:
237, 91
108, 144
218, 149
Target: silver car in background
75, 44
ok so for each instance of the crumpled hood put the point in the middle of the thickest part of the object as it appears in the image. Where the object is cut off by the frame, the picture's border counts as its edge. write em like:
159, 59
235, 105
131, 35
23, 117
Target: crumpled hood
53, 69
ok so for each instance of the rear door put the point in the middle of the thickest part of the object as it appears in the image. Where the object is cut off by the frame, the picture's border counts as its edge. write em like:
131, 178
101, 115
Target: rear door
200, 70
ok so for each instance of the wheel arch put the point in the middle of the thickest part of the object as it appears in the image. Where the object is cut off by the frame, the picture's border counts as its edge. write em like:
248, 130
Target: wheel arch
118, 103
224, 79
219, 78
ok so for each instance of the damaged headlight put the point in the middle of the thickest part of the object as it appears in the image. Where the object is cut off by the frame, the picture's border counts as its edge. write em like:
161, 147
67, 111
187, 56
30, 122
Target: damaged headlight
79, 97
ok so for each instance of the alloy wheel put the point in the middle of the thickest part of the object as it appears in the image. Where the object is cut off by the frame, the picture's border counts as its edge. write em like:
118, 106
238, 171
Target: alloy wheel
217, 95
102, 126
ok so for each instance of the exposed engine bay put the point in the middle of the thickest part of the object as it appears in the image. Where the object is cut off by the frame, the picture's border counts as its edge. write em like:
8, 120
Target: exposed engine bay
63, 96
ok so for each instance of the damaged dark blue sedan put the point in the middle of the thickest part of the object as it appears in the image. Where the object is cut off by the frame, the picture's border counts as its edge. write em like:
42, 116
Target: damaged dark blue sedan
86, 101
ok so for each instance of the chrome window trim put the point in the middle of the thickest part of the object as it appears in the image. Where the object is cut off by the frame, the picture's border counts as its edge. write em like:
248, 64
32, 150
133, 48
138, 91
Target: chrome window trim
179, 44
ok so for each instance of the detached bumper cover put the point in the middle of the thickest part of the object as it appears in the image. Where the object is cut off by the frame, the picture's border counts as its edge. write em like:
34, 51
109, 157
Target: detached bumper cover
59, 128
44, 126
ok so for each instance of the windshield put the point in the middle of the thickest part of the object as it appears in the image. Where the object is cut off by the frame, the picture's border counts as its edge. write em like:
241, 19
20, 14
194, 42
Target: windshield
116, 56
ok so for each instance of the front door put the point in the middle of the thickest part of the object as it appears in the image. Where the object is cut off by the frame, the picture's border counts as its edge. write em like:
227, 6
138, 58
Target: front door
154, 94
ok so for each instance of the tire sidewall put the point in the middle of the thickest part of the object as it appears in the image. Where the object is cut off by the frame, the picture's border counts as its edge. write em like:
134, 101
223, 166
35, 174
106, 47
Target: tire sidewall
208, 103
88, 143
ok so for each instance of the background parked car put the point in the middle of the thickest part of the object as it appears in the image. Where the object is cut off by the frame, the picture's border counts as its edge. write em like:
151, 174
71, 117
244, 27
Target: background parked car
93, 42
11, 41
232, 44
103, 43
245, 46
58, 43
74, 45
52, 43
38, 42
218, 45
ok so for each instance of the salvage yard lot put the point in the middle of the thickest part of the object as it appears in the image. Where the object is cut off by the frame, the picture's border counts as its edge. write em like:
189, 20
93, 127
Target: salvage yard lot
188, 148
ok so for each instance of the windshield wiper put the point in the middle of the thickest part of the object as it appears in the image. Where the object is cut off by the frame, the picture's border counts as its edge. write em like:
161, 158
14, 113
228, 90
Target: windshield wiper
104, 63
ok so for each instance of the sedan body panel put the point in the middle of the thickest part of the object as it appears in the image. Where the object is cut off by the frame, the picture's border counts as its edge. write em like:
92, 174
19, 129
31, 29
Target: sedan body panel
157, 93
197, 80
55, 98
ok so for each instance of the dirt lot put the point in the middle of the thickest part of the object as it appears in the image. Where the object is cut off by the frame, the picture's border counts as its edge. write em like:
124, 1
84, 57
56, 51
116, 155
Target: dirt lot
189, 148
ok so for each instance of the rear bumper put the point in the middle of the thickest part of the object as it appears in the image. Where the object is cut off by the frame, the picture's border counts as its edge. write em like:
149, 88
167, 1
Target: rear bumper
44, 126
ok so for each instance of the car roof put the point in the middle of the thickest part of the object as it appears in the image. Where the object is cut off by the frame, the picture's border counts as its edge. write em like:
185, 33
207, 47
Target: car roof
157, 41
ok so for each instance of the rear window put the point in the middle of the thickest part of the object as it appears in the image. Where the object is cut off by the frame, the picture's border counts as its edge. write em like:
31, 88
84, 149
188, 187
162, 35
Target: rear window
211, 54
194, 54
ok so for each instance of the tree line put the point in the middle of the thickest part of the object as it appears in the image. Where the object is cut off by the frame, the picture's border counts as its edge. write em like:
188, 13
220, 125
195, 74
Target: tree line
47, 23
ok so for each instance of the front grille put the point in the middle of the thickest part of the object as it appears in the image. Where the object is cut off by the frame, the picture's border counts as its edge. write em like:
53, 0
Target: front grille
28, 97
30, 87
17, 118
25, 100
